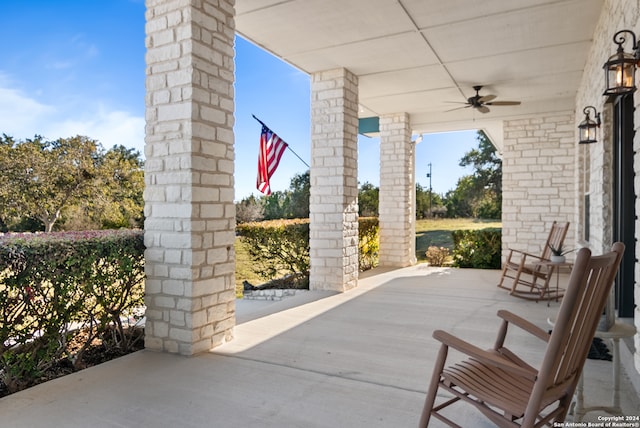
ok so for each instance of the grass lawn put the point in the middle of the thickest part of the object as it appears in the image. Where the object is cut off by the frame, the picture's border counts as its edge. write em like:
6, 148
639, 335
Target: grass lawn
244, 267
437, 232
429, 232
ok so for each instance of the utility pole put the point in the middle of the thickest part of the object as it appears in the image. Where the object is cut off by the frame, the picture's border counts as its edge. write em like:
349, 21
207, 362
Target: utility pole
429, 177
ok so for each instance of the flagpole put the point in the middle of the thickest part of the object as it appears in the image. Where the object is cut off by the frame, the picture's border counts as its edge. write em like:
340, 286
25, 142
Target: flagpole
288, 147
301, 160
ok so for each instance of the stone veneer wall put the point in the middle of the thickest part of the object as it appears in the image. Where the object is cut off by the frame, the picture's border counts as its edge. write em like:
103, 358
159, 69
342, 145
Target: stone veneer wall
537, 180
333, 228
616, 15
397, 192
189, 209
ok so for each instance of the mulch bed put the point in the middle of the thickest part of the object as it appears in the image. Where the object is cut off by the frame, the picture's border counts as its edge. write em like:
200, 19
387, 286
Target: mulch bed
97, 353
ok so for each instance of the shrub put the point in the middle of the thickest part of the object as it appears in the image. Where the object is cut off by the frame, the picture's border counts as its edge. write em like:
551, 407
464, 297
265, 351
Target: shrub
368, 242
281, 247
277, 247
481, 249
53, 284
437, 256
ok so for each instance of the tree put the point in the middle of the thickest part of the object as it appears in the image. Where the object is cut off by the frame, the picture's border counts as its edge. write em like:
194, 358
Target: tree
458, 200
428, 204
116, 194
69, 183
121, 174
292, 203
249, 209
275, 205
6, 144
478, 194
43, 177
300, 193
368, 200
486, 164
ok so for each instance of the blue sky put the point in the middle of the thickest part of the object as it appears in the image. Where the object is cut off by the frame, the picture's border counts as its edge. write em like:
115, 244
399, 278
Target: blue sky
76, 67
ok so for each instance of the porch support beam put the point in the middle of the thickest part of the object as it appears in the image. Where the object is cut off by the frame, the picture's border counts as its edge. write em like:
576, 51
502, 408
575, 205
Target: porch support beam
397, 192
189, 210
333, 206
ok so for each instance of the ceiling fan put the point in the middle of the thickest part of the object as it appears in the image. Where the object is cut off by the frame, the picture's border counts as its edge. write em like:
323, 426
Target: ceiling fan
480, 102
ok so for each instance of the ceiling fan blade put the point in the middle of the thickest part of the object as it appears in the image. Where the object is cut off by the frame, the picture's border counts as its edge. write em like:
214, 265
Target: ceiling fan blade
486, 98
504, 103
481, 102
457, 108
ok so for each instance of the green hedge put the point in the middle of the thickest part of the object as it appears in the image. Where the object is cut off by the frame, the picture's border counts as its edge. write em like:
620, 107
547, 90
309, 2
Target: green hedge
281, 247
480, 249
277, 247
52, 284
368, 242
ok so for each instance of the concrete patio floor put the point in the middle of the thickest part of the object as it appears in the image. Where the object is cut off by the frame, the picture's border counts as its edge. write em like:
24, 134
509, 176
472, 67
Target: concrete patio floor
357, 359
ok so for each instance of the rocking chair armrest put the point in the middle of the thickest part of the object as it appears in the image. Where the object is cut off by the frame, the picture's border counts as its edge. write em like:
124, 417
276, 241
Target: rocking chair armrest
525, 325
524, 255
486, 357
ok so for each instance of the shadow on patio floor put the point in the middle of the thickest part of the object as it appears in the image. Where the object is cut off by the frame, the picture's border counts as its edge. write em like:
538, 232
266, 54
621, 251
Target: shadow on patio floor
357, 359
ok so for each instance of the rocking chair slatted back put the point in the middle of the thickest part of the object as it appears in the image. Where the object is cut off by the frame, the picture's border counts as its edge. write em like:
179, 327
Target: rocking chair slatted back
578, 319
501, 385
529, 277
555, 239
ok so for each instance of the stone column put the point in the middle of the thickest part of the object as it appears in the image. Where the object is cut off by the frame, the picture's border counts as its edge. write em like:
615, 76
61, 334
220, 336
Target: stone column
397, 205
334, 181
190, 218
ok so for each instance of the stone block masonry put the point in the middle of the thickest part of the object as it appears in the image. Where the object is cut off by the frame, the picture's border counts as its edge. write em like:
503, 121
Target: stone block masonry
397, 192
271, 294
538, 178
333, 227
189, 209
598, 165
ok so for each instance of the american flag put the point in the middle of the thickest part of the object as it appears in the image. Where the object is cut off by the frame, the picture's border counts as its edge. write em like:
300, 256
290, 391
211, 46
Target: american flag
271, 150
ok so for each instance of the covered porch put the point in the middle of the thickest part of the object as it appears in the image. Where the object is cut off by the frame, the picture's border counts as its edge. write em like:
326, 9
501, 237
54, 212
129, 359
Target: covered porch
320, 359
402, 62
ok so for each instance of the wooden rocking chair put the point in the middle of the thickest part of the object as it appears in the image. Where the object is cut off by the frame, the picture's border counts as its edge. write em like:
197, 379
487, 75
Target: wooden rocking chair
506, 389
531, 279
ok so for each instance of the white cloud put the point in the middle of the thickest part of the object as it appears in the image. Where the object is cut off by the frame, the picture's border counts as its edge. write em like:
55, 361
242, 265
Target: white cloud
109, 127
19, 113
22, 116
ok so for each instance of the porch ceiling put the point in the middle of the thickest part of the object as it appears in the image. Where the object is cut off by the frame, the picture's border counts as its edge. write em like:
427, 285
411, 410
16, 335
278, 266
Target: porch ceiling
421, 56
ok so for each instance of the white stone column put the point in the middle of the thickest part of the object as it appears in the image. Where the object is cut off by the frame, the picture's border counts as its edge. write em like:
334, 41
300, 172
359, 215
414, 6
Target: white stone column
397, 192
190, 215
333, 207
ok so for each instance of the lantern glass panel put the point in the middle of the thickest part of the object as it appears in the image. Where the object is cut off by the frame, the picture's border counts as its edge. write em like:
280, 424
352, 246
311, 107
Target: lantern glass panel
587, 132
620, 77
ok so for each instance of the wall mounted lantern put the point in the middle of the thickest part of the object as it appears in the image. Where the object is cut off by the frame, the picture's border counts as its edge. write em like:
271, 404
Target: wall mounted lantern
589, 127
620, 69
